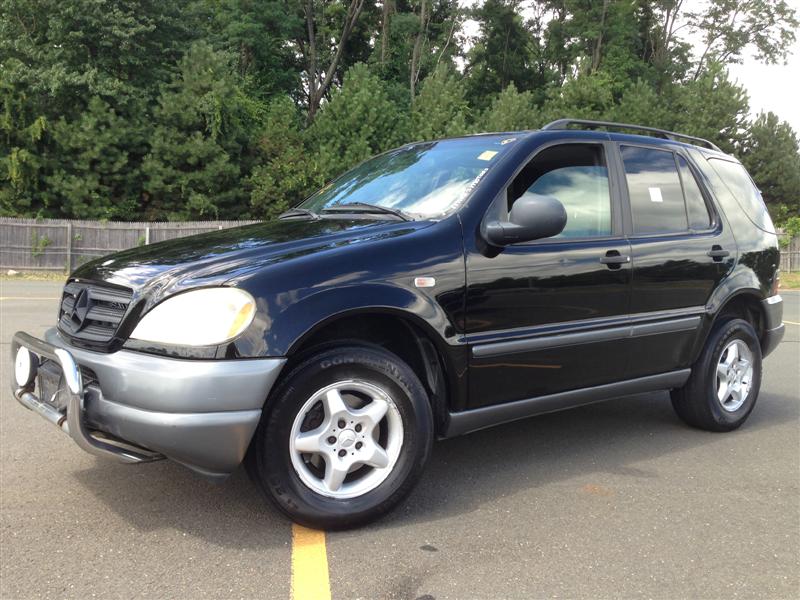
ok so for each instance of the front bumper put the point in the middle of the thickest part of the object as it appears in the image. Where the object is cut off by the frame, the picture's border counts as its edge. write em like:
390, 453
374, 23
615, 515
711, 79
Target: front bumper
773, 327
137, 407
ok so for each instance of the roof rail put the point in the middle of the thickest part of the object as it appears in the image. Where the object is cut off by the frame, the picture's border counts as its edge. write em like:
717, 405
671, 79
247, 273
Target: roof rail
670, 135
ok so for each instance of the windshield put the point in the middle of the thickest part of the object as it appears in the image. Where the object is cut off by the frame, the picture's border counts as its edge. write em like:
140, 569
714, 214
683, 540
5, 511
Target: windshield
423, 180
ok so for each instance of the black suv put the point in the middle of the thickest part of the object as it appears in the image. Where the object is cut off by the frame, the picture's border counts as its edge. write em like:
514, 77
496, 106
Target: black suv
434, 290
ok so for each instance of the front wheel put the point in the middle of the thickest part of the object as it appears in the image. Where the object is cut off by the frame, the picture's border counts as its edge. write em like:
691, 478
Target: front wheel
723, 387
344, 438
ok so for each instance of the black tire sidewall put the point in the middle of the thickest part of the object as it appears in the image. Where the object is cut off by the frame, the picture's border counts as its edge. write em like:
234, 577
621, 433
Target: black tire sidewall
273, 461
720, 338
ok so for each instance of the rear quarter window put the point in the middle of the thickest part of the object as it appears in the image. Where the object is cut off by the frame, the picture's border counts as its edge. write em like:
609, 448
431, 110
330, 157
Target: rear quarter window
739, 184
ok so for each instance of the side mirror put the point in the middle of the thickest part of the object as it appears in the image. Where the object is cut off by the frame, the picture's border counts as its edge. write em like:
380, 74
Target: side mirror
532, 217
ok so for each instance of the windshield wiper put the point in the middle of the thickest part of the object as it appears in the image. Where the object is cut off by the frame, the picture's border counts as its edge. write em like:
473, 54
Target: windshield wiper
298, 212
365, 207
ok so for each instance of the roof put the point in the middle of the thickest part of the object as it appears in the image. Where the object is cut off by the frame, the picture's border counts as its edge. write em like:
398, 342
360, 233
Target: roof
663, 133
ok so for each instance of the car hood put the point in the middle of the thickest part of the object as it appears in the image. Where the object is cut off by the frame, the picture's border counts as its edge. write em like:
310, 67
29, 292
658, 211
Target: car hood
215, 257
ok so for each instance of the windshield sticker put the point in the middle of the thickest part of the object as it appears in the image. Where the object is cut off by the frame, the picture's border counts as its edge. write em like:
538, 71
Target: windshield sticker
487, 155
655, 194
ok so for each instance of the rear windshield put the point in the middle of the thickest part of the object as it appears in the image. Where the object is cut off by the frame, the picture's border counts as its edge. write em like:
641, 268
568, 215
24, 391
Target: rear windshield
739, 184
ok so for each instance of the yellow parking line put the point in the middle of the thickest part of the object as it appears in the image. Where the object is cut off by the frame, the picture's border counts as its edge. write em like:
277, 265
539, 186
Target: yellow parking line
791, 323
309, 565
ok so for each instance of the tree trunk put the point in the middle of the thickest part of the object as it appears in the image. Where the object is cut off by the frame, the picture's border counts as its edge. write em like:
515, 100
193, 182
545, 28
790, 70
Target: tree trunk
387, 7
598, 44
318, 85
417, 51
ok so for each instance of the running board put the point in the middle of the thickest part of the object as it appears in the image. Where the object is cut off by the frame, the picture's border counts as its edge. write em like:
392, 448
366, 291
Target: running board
480, 418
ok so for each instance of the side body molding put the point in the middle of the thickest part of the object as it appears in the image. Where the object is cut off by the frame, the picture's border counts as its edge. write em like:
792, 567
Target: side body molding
488, 416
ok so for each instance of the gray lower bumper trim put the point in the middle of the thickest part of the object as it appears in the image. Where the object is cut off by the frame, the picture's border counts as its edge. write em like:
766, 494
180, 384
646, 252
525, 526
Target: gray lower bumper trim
212, 443
774, 328
71, 421
135, 407
162, 384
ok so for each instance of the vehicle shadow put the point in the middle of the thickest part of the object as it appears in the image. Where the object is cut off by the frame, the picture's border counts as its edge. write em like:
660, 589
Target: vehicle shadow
613, 437
463, 474
166, 495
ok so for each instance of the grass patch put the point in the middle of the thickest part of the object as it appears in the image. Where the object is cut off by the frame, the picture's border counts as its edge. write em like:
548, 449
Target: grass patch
35, 276
790, 281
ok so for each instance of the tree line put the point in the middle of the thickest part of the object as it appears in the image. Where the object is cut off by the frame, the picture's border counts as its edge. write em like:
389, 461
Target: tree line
234, 109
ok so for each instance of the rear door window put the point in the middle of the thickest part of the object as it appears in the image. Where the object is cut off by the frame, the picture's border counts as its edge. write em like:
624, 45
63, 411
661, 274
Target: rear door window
655, 192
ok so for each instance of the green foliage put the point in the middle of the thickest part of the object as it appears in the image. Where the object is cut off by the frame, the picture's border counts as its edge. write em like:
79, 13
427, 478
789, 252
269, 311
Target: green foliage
502, 55
731, 26
60, 61
90, 174
772, 156
791, 227
255, 33
641, 103
284, 175
202, 124
441, 109
359, 121
791, 230
38, 244
712, 107
583, 97
147, 109
510, 111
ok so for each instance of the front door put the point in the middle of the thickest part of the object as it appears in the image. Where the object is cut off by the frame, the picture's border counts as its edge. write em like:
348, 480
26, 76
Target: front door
550, 315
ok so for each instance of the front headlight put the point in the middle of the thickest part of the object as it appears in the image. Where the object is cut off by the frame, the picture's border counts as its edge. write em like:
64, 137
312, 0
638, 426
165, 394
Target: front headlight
201, 317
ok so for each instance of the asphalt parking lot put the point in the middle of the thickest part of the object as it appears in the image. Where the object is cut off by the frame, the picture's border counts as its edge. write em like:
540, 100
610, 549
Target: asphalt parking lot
617, 499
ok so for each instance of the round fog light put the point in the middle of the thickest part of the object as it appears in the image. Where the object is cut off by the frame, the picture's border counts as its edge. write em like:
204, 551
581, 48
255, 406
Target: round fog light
25, 367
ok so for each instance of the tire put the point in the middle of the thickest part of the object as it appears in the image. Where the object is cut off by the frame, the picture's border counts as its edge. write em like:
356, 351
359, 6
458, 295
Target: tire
717, 397
387, 420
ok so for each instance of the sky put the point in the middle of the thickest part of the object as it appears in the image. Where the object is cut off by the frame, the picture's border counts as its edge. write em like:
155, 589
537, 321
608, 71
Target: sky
773, 87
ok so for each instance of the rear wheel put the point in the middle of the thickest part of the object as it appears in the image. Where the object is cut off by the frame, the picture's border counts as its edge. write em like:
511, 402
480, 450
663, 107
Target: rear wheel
344, 438
725, 380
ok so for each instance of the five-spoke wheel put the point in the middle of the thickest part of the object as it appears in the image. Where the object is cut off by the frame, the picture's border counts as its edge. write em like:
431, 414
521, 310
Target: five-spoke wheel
734, 375
343, 438
346, 439
723, 387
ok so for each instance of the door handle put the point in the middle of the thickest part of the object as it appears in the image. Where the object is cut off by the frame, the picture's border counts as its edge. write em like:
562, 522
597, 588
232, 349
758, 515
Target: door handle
614, 260
717, 253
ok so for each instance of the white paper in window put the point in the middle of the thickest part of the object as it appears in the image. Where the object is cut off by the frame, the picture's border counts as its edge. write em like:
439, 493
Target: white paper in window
655, 194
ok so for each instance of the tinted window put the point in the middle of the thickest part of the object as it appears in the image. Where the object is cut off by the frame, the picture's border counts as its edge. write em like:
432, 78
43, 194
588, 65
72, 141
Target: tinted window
699, 218
654, 188
425, 179
736, 179
577, 176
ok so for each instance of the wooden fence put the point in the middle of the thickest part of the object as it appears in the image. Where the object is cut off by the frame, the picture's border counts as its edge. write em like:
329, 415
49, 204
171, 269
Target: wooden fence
62, 244
790, 255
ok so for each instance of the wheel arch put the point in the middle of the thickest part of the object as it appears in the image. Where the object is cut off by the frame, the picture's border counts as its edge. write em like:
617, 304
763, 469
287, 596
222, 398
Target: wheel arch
744, 304
401, 332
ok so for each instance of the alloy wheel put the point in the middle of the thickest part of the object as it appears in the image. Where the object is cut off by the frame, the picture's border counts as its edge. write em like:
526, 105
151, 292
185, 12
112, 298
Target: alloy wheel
734, 375
346, 439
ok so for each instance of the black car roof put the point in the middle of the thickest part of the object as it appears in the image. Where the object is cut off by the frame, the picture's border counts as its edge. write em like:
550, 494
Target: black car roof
619, 131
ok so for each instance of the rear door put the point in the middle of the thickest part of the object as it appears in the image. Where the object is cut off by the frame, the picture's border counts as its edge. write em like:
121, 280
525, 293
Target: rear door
680, 249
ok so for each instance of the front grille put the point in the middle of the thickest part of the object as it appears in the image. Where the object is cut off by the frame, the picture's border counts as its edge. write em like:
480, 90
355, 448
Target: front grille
92, 312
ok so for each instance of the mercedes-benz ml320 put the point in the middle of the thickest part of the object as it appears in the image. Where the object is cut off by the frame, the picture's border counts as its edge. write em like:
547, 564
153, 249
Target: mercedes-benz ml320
436, 289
